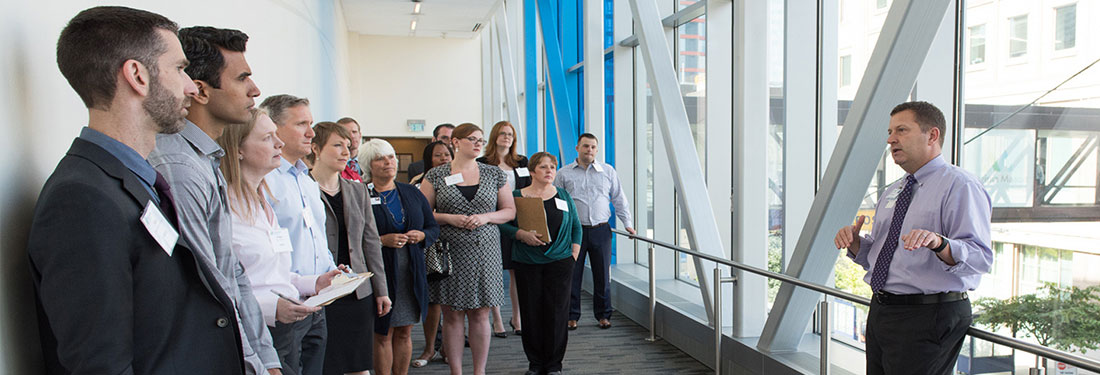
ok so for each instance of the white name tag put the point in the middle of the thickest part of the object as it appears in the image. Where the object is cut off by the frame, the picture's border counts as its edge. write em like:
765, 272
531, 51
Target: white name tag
160, 228
453, 179
280, 240
890, 203
375, 201
562, 205
599, 168
307, 215
522, 172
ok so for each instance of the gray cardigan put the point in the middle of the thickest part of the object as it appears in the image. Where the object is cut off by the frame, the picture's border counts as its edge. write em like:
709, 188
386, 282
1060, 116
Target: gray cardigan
364, 245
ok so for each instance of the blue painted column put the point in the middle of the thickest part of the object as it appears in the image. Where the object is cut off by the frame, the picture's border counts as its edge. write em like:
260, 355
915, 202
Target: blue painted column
565, 125
530, 76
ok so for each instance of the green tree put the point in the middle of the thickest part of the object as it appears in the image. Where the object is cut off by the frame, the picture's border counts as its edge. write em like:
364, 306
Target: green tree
1063, 318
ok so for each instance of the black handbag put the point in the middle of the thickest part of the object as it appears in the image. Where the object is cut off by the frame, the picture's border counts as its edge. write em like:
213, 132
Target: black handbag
437, 259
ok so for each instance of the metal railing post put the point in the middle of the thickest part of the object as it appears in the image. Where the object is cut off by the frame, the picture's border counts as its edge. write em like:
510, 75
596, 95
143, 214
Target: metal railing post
1037, 370
652, 295
717, 320
825, 326
1042, 352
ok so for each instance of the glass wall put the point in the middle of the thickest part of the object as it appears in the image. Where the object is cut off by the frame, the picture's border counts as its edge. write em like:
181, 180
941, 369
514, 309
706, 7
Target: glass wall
1031, 136
691, 54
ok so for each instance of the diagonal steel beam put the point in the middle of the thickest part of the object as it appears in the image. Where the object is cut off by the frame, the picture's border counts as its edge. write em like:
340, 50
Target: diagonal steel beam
895, 62
691, 187
508, 70
559, 90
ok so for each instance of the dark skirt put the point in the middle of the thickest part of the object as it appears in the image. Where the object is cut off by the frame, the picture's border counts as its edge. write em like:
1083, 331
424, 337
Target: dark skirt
350, 335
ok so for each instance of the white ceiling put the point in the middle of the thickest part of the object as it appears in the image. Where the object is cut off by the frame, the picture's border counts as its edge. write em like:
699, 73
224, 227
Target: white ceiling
449, 18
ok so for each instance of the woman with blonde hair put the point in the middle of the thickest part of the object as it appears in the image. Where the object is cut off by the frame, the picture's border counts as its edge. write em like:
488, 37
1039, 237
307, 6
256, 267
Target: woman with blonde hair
251, 151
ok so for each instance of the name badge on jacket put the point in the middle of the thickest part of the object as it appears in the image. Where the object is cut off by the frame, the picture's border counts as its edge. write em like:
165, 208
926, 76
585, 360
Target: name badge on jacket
523, 172
159, 227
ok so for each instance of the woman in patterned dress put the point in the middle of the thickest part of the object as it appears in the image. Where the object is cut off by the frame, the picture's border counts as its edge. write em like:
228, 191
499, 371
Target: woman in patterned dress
469, 199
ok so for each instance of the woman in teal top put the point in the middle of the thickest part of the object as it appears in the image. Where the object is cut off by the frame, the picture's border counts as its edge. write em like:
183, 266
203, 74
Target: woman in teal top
544, 269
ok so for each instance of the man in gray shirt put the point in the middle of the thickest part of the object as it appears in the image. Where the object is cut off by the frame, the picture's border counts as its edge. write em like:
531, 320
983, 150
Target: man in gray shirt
595, 186
190, 160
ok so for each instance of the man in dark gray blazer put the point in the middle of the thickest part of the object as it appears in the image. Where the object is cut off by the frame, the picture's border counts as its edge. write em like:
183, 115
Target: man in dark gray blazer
116, 291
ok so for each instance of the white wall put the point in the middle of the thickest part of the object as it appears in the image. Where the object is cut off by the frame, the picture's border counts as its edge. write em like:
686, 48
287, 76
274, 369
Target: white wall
395, 79
295, 47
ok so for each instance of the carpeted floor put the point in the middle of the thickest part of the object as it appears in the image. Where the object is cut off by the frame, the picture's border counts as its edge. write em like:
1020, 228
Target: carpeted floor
622, 349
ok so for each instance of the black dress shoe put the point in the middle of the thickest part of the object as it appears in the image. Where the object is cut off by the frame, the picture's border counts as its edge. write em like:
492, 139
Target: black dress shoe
605, 323
517, 332
501, 334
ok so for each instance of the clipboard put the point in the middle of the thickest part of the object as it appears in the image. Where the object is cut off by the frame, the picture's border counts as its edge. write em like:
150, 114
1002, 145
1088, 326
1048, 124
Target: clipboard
531, 215
342, 285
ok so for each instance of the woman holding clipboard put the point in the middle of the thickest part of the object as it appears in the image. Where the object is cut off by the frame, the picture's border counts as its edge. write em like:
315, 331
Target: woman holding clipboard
544, 266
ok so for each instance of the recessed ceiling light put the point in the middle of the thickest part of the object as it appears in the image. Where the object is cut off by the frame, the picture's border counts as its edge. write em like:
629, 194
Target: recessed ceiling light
416, 8
412, 26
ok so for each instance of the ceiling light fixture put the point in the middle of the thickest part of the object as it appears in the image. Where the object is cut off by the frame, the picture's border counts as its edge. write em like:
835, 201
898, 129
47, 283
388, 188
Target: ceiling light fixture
416, 8
412, 26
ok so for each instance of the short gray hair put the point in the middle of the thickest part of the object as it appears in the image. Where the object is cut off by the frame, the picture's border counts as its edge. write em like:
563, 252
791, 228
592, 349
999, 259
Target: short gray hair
374, 149
277, 105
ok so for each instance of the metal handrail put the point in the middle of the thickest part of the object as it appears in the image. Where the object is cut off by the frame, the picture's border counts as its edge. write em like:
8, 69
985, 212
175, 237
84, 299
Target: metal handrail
1014, 343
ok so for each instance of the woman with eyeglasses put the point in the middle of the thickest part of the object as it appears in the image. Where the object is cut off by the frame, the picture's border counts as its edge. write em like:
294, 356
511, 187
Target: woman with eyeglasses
501, 152
470, 199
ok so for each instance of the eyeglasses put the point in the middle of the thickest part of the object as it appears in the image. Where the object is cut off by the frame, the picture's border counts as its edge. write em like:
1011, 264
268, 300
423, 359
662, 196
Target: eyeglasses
477, 141
509, 135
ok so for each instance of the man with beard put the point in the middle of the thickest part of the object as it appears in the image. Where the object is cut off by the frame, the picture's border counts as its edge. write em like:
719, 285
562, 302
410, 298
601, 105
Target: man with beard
116, 291
189, 162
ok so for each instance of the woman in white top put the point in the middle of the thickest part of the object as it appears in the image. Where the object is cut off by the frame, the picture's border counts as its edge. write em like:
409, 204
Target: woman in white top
251, 151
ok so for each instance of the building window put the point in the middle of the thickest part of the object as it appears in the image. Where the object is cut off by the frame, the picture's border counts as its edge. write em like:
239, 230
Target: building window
879, 4
977, 44
1065, 27
1017, 36
845, 70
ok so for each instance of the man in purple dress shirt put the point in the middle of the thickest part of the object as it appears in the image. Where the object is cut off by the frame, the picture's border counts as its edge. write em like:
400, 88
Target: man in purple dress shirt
929, 246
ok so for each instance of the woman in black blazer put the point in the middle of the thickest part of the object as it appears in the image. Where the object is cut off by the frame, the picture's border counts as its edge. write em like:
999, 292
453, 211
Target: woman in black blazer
407, 226
501, 152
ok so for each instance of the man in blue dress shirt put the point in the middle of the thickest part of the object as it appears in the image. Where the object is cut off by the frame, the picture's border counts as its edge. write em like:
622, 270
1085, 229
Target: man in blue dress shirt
296, 200
595, 187
930, 245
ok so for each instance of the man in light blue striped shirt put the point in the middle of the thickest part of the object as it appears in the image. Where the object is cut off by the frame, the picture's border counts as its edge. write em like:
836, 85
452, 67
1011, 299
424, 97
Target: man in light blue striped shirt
296, 200
595, 186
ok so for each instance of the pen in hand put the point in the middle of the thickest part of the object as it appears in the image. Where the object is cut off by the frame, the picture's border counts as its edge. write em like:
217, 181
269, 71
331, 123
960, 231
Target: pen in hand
291, 300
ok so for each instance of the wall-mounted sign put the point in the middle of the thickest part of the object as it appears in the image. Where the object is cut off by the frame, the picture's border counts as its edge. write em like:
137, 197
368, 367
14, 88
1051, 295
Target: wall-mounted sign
415, 126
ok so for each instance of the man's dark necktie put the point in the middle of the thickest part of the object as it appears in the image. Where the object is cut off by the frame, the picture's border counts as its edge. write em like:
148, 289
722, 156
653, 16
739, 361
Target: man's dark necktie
886, 254
167, 206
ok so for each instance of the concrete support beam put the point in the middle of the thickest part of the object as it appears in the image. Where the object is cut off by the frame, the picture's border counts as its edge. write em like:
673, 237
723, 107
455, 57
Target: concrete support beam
901, 49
